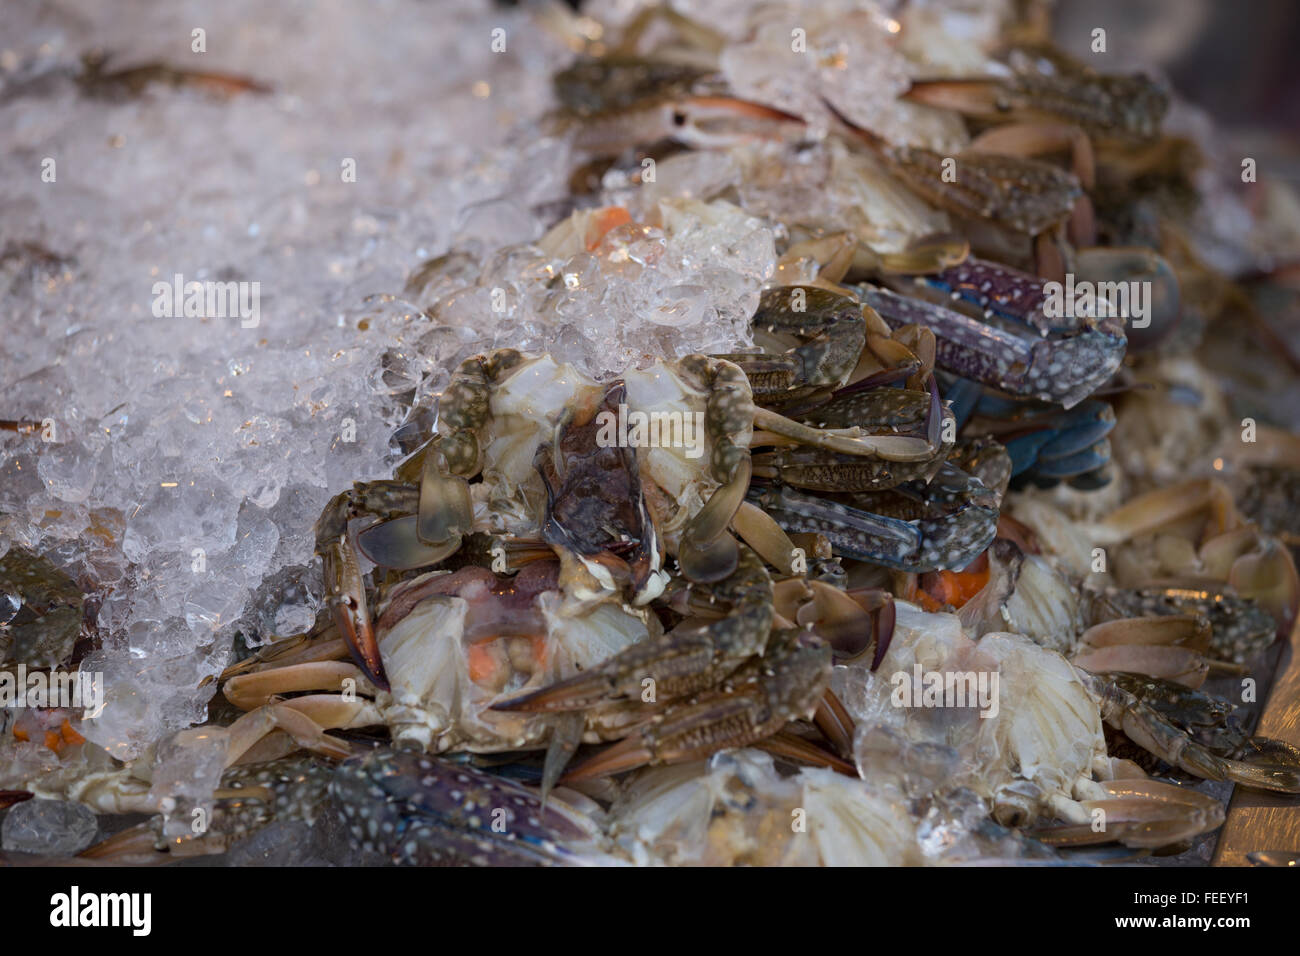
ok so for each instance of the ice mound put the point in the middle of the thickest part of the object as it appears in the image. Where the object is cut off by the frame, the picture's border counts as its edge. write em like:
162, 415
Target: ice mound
182, 461
185, 459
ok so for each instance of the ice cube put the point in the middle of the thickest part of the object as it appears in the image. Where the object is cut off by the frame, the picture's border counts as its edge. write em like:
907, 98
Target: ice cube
49, 828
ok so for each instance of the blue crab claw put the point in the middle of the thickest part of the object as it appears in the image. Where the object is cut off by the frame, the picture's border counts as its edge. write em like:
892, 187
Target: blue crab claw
1093, 458
347, 598
992, 290
1046, 443
421, 810
998, 332
1063, 444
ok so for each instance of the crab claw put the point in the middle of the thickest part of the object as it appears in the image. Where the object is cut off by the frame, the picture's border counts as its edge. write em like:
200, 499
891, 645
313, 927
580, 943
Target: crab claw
851, 622
1268, 764
344, 585
708, 552
347, 598
445, 507
396, 544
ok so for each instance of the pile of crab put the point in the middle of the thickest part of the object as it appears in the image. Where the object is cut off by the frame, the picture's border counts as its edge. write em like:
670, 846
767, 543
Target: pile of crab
873, 590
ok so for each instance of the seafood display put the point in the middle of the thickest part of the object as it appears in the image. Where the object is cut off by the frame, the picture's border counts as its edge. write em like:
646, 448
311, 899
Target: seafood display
854, 466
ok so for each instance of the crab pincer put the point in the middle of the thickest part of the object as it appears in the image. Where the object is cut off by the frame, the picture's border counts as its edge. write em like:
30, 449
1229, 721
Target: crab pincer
708, 552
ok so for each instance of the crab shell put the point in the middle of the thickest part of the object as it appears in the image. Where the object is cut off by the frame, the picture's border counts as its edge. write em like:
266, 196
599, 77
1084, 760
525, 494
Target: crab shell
675, 474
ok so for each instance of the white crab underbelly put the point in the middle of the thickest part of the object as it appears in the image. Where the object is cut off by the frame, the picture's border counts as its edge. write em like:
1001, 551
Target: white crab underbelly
441, 688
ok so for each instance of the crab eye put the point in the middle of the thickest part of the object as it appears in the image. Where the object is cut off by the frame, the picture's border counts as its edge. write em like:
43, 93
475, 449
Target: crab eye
679, 118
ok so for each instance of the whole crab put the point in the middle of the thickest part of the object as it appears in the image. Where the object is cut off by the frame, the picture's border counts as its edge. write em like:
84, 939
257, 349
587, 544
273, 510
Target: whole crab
532, 453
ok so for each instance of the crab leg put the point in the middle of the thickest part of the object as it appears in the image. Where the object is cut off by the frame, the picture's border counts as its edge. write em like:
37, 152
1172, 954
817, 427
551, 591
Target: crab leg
322, 643
761, 699
765, 536
247, 691
688, 659
791, 746
1165, 506
834, 721
888, 447
1170, 646
254, 726
1277, 769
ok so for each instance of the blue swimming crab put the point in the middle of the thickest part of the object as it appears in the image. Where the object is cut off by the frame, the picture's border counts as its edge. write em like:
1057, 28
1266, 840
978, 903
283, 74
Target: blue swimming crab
580, 616
383, 806
552, 650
